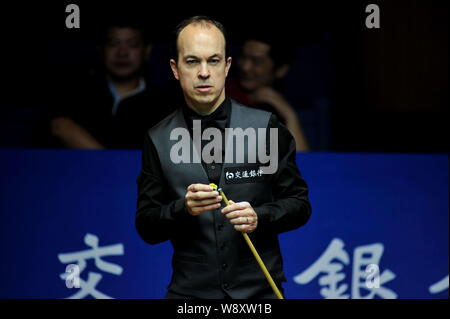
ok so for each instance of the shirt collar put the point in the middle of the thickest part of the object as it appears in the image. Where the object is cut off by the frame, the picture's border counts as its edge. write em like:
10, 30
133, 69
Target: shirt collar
219, 118
117, 98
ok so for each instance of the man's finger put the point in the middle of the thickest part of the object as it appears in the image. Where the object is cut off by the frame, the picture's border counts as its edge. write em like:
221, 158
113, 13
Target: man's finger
243, 220
199, 187
201, 195
235, 206
240, 213
204, 202
245, 228
231, 208
202, 209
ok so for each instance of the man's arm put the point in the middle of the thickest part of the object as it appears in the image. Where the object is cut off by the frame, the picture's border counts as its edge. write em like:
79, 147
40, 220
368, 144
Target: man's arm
73, 135
158, 215
291, 207
286, 111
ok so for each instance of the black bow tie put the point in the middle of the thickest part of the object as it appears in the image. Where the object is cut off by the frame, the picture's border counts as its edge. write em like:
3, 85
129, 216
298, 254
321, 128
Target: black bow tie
216, 119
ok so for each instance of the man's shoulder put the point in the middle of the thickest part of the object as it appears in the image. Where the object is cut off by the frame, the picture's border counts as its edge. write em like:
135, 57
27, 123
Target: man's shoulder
248, 109
250, 113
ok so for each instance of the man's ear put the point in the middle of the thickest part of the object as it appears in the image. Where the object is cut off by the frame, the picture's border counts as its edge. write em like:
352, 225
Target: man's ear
174, 67
281, 71
227, 65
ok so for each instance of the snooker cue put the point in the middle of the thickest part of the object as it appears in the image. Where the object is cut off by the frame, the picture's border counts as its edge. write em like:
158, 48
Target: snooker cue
253, 249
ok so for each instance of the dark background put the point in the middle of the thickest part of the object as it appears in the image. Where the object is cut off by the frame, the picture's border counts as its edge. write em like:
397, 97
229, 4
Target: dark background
356, 89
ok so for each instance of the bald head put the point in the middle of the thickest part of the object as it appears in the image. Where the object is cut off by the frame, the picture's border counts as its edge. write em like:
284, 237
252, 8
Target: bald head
201, 22
200, 39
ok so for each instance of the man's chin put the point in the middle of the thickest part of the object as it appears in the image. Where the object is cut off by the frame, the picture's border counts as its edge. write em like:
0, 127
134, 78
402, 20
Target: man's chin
122, 75
204, 102
205, 99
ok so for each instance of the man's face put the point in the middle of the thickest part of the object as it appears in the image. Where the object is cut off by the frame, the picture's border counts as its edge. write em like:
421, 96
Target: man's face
256, 68
124, 52
202, 66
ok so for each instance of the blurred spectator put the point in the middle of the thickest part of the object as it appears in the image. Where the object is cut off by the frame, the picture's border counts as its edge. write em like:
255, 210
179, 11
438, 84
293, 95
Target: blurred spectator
115, 107
262, 64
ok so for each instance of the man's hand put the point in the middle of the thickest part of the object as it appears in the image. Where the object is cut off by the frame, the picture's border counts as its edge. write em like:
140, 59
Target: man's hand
285, 112
200, 198
242, 216
270, 96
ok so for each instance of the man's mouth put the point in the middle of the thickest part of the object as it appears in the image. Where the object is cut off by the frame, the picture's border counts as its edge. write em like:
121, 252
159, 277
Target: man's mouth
204, 87
122, 64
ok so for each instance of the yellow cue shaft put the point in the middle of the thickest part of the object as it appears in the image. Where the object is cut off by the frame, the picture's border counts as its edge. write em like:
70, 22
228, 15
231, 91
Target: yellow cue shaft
253, 249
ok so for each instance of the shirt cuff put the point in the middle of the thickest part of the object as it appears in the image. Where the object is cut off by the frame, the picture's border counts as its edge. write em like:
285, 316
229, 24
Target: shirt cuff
263, 214
179, 210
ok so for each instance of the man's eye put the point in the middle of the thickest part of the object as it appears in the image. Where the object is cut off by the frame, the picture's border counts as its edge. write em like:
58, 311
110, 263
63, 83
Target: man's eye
214, 61
191, 61
257, 61
135, 44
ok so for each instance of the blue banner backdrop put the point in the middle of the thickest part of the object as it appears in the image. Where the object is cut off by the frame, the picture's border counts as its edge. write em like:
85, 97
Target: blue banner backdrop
379, 227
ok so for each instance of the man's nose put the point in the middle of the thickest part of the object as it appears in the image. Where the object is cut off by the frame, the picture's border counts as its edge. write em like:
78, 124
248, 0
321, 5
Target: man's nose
204, 71
123, 50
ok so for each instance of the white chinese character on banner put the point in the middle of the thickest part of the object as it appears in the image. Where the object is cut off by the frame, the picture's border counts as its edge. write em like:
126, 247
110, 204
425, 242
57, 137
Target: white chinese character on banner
245, 174
330, 281
364, 256
237, 174
252, 173
439, 286
79, 257
332, 262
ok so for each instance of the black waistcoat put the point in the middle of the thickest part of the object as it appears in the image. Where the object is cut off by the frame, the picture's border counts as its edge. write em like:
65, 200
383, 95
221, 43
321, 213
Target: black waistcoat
211, 258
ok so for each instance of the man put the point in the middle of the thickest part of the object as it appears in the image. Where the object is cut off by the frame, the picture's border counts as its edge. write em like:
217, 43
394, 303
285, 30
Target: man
175, 201
115, 108
262, 63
